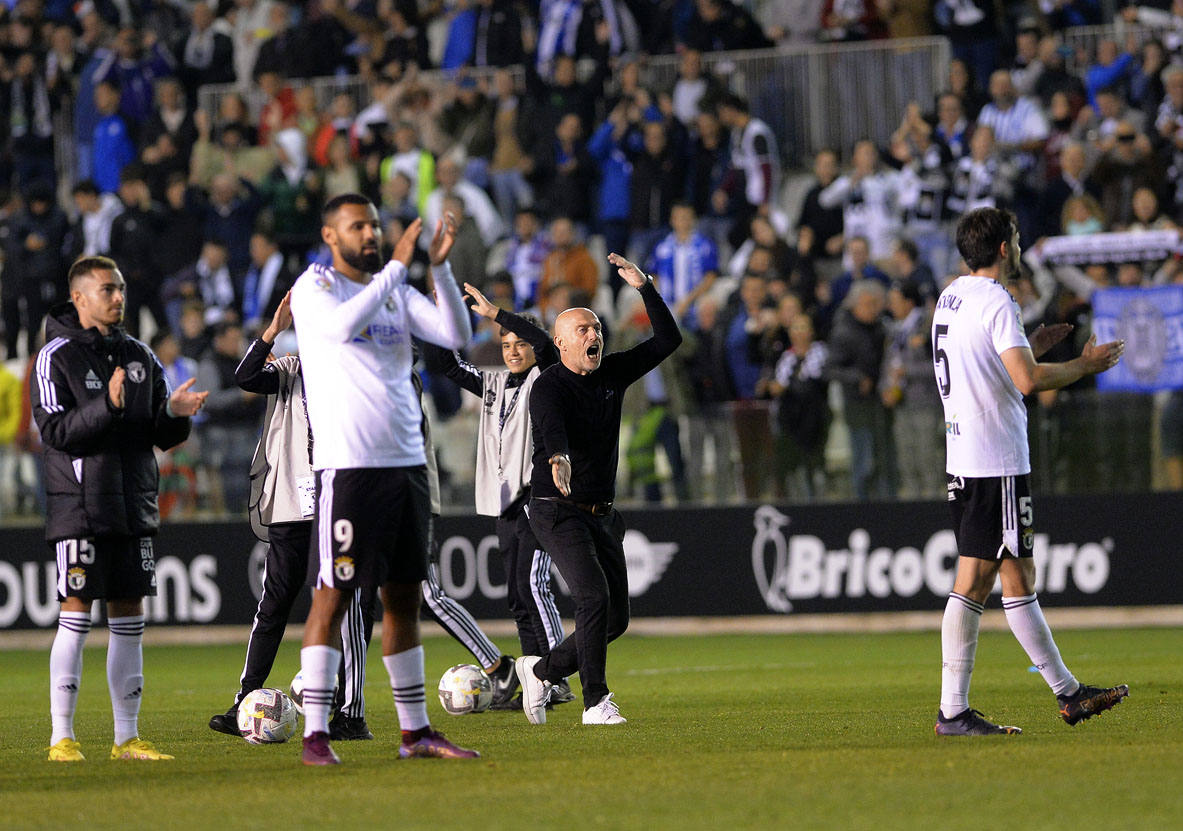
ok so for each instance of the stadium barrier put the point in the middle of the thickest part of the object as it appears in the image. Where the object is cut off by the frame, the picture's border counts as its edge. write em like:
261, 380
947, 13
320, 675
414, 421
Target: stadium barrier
1111, 550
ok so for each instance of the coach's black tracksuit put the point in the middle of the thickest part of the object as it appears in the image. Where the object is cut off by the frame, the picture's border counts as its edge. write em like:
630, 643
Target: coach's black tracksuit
580, 415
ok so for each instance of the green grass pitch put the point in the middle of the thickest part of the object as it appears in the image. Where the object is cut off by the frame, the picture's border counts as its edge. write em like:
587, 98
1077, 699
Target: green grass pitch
724, 732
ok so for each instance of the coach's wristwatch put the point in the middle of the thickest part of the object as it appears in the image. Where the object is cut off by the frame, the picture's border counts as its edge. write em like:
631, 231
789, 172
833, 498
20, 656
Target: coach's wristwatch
560, 457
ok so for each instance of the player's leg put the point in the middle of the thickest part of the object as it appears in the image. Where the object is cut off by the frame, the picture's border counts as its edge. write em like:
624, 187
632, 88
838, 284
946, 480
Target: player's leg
532, 576
349, 723
131, 578
77, 573
284, 572
975, 507
402, 650
507, 544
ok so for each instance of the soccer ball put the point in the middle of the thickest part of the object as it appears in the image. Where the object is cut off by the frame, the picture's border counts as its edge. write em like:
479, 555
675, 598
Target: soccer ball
465, 689
267, 716
296, 692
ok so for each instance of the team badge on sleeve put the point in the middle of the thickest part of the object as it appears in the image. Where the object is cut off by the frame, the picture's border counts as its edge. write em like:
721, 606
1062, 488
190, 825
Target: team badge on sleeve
136, 373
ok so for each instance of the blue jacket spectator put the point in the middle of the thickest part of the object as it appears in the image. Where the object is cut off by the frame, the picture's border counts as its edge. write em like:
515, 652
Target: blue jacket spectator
135, 72
111, 142
616, 171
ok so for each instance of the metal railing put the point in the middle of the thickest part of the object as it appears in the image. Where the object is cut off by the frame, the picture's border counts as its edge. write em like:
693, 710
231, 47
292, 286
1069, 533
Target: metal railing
811, 96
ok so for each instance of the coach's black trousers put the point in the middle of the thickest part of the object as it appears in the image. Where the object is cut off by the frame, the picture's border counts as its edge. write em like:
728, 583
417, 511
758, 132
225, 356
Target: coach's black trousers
589, 553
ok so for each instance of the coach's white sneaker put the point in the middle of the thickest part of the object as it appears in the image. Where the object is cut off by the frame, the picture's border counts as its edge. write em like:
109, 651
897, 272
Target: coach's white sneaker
606, 712
535, 691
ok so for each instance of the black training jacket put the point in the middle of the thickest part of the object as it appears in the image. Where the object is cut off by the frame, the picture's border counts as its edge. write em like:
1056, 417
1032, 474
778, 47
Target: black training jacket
100, 470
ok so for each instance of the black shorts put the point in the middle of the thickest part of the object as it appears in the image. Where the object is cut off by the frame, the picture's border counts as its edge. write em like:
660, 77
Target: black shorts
993, 517
372, 526
107, 568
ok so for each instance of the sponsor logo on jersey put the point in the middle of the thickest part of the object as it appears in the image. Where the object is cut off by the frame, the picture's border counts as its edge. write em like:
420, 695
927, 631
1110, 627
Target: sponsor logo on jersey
147, 559
647, 561
380, 334
343, 568
92, 381
76, 578
952, 428
136, 373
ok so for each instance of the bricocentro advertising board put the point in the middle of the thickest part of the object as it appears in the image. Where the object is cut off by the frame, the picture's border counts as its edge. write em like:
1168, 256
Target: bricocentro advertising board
757, 559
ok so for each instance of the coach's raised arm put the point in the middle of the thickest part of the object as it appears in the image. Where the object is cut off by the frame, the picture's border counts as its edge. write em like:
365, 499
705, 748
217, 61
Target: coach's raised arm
666, 335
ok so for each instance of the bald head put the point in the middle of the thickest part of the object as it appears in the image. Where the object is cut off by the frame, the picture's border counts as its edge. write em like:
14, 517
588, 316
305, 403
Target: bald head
579, 338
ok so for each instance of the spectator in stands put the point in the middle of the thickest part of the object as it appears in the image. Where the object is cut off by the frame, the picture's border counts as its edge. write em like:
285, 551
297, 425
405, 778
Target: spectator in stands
972, 29
952, 127
1111, 70
1127, 164
856, 347
497, 39
292, 195
685, 263
35, 263
869, 198
1146, 214
965, 86
135, 242
232, 109
231, 155
564, 93
1169, 126
205, 55
569, 263
695, 89
799, 388
206, 280
1082, 215
709, 164
342, 174
30, 124
907, 390
982, 179
96, 211
135, 62
467, 122
790, 21
279, 106
183, 227
1019, 125
250, 21
1146, 88
63, 63
819, 230
755, 162
564, 172
852, 20
265, 283
707, 419
1056, 77
909, 269
655, 182
279, 52
721, 26
469, 252
112, 146
832, 296
232, 417
1068, 13
414, 162
234, 206
526, 251
613, 197
513, 133
476, 202
171, 117
924, 184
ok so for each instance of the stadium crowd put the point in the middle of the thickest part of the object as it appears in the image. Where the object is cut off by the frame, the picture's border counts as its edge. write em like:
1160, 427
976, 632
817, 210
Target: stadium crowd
805, 305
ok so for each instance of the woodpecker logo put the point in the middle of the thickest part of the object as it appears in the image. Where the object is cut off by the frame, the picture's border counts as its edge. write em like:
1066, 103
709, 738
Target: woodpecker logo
646, 561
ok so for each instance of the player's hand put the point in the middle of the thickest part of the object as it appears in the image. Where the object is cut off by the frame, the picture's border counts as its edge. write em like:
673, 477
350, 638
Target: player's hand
1098, 359
441, 241
404, 249
1045, 337
281, 320
560, 472
628, 271
480, 303
185, 403
115, 388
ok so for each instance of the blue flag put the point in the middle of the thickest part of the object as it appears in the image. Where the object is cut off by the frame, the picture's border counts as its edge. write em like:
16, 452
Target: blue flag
1150, 321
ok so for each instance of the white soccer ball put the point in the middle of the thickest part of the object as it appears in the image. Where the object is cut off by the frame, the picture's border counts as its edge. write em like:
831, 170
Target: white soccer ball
266, 716
465, 689
296, 692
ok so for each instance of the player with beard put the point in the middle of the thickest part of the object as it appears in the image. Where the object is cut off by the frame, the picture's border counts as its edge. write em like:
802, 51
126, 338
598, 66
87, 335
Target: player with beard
984, 366
575, 413
355, 322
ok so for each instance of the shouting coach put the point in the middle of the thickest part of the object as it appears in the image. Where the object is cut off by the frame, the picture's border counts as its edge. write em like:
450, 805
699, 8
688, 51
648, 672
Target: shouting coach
575, 411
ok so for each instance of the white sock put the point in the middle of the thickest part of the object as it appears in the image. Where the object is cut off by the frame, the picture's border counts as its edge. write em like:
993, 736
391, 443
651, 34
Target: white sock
319, 666
1026, 620
125, 673
65, 672
406, 682
959, 645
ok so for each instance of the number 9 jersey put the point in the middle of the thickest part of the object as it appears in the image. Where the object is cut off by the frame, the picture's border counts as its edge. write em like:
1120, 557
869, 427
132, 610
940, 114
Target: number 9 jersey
975, 321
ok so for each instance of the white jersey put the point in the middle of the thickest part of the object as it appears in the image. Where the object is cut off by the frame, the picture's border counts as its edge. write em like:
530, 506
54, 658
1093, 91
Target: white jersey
976, 320
355, 348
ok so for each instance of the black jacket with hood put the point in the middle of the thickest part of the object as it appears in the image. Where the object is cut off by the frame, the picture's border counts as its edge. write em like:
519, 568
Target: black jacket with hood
100, 471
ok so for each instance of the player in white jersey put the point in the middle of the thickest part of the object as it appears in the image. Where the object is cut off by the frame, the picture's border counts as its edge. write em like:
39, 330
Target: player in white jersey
984, 366
372, 523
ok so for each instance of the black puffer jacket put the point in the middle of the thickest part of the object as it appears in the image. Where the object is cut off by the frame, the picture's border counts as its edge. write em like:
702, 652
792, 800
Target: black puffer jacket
100, 471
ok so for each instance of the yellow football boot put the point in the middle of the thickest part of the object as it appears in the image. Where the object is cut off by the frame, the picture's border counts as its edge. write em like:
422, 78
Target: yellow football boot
137, 748
66, 750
